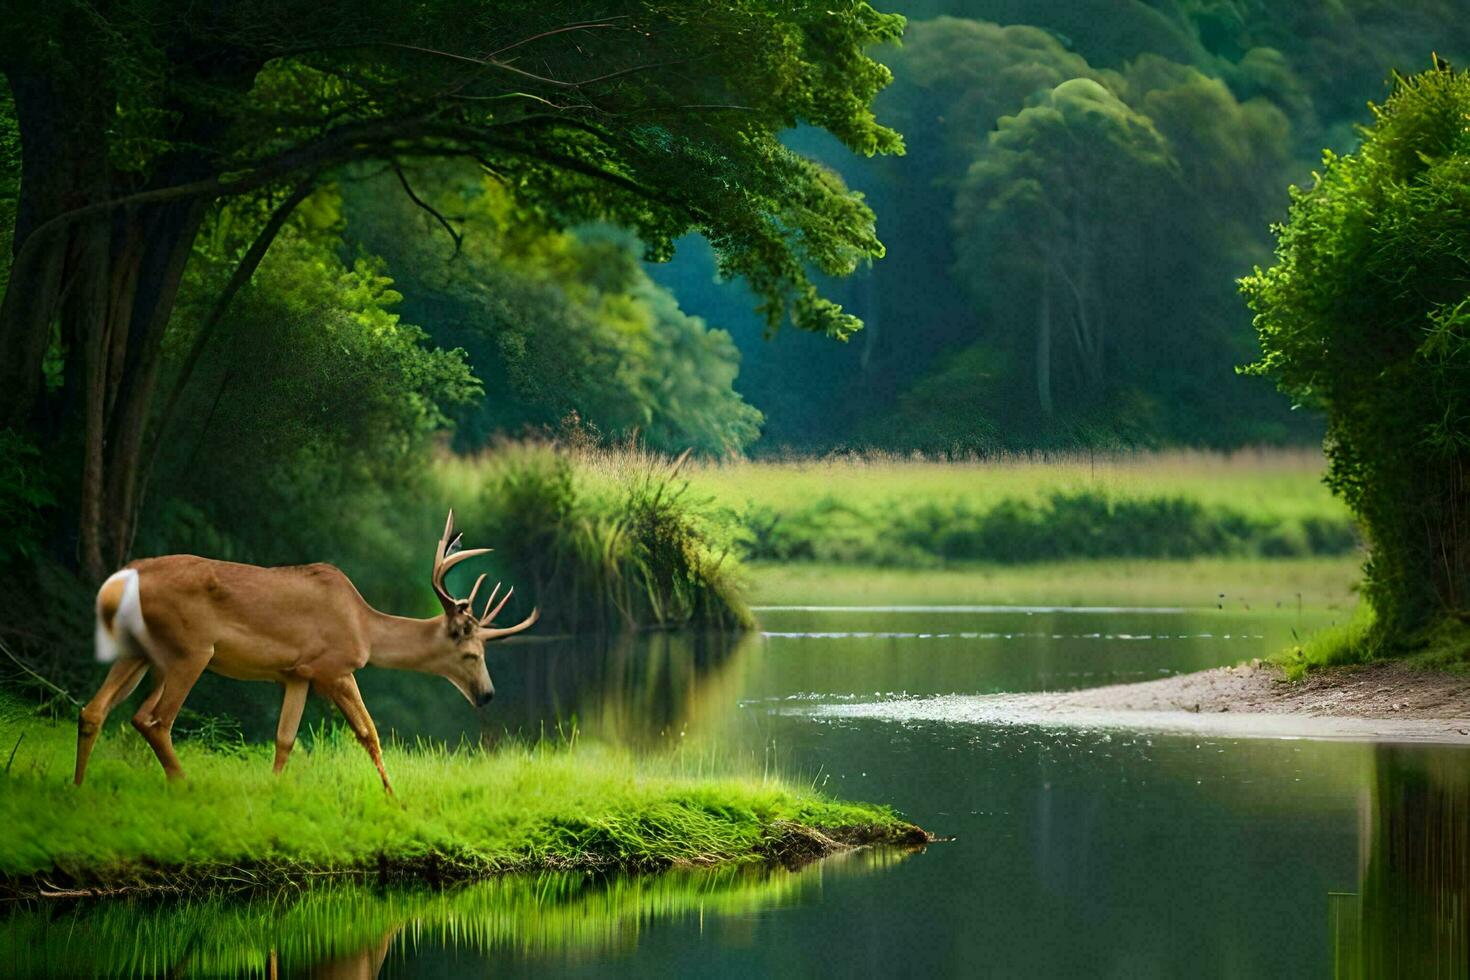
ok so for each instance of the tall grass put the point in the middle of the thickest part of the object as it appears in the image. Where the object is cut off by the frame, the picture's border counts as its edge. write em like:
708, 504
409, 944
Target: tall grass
522, 806
602, 538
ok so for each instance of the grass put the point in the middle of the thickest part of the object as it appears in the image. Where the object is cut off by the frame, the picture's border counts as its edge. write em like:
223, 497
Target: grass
1444, 646
1315, 583
603, 538
1279, 483
881, 510
299, 932
456, 814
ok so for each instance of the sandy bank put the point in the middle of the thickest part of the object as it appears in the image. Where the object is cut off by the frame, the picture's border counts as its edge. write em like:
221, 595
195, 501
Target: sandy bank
1387, 702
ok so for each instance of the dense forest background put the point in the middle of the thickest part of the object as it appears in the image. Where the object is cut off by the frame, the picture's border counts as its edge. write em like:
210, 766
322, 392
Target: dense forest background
1083, 184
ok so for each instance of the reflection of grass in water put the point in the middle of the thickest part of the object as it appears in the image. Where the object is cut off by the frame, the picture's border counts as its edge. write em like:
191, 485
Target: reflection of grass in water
564, 913
539, 806
1322, 583
638, 689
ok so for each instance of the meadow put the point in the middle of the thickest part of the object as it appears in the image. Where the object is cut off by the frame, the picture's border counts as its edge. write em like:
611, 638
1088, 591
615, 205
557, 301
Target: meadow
456, 813
882, 509
1234, 584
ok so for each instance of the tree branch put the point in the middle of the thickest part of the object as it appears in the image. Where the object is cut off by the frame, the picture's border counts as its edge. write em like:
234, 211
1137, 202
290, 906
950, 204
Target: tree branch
426, 206
242, 274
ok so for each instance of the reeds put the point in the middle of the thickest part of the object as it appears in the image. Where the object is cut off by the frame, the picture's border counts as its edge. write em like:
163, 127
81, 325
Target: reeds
602, 539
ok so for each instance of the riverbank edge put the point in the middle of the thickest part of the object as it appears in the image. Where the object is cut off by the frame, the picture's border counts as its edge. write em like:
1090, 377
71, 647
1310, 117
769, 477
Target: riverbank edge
788, 845
1382, 690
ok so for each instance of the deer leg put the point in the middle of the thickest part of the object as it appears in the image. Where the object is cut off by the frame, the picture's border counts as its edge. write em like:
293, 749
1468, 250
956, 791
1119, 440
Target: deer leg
291, 708
155, 719
349, 701
122, 679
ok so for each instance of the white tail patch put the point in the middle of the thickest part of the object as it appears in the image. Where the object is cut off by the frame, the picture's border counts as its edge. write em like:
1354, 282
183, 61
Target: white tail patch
127, 623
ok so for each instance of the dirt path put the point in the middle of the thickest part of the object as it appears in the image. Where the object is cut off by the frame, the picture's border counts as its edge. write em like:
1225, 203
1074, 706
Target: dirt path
1381, 702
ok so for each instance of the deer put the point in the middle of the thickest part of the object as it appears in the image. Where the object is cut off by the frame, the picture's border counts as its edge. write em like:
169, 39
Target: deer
304, 627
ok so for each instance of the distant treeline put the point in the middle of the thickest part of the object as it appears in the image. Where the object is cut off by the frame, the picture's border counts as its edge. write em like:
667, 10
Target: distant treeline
1084, 183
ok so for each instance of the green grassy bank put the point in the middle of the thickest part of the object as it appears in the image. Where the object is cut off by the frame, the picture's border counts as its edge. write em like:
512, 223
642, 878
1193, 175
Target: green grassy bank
457, 814
889, 511
1203, 583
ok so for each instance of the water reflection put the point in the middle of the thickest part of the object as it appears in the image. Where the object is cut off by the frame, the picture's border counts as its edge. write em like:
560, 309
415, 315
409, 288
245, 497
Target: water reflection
1412, 915
640, 690
630, 689
343, 931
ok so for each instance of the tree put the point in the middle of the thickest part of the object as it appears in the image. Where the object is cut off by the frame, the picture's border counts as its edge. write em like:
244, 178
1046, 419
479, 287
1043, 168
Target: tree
1366, 315
554, 322
1056, 208
138, 117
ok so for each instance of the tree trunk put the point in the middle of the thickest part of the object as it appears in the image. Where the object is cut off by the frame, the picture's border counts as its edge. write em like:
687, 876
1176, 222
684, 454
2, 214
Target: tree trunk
110, 280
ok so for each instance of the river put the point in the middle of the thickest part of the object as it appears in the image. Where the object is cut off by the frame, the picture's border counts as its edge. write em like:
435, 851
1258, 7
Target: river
1075, 852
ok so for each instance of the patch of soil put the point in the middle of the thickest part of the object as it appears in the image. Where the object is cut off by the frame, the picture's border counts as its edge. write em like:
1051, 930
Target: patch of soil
1382, 691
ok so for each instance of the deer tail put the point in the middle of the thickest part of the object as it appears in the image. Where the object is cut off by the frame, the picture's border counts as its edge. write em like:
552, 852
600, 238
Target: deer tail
120, 623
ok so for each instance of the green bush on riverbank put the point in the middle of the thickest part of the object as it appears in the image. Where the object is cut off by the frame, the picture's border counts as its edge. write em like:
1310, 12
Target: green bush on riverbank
460, 813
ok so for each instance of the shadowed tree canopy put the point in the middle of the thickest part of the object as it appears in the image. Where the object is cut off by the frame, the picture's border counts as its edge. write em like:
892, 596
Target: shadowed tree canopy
138, 117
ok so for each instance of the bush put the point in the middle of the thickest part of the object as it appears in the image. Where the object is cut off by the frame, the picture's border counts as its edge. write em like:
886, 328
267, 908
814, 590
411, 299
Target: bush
1366, 315
600, 539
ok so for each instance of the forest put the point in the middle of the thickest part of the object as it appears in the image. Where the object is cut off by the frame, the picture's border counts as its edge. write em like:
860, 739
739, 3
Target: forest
970, 406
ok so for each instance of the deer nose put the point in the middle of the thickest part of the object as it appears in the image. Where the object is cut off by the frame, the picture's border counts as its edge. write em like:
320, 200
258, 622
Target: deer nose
485, 697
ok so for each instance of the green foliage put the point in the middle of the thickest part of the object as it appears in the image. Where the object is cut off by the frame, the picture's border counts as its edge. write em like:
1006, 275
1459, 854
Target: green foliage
1081, 524
600, 539
1365, 316
315, 405
899, 511
555, 322
525, 806
24, 498
662, 117
9, 179
1146, 328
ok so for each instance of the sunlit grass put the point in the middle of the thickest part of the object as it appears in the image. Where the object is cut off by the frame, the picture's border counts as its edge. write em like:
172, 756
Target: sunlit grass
1236, 583
538, 806
1284, 483
895, 511
1443, 646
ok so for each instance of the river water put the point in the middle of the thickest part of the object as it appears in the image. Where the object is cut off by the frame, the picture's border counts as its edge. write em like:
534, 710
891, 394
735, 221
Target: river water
1075, 852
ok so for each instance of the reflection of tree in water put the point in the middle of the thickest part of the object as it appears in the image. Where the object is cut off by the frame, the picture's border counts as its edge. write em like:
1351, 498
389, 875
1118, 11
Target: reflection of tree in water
349, 931
1413, 915
634, 689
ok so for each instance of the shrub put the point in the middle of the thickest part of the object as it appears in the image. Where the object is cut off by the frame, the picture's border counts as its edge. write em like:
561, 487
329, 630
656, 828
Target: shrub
1366, 315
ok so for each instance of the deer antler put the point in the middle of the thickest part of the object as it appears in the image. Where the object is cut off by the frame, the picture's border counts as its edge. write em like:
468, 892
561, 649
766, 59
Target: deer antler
444, 561
489, 633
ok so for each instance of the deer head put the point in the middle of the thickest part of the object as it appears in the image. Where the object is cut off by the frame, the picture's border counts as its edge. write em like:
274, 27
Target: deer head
459, 656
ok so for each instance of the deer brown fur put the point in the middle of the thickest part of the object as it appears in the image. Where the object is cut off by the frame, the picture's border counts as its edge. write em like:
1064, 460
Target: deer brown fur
304, 627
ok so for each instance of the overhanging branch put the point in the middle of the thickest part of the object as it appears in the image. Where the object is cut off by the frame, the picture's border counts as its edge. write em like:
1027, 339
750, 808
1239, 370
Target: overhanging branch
426, 206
